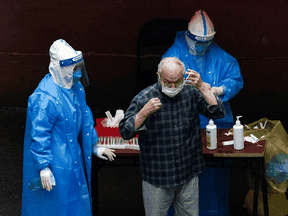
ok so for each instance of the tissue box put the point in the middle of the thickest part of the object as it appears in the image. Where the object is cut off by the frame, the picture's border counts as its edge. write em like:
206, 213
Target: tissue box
106, 131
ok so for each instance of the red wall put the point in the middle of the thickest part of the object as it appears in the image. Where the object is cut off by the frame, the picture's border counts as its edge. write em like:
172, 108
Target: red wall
255, 32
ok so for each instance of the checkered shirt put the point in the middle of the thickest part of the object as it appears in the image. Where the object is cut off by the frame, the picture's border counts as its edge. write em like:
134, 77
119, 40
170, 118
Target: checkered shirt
170, 139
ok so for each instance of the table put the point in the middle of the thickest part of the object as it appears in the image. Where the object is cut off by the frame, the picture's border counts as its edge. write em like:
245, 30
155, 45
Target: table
252, 155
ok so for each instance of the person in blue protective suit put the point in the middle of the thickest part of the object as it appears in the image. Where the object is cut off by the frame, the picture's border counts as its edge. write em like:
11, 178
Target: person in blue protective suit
59, 140
198, 51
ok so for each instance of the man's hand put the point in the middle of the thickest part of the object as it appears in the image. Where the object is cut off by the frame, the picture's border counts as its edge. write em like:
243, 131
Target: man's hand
150, 107
194, 78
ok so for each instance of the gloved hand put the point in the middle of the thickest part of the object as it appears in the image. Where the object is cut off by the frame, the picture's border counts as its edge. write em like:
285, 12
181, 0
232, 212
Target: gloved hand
217, 90
101, 151
47, 179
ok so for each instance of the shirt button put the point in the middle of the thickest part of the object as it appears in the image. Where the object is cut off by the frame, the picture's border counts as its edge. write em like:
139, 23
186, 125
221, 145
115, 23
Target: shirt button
87, 134
75, 162
79, 183
88, 158
66, 119
70, 140
175, 126
177, 150
209, 71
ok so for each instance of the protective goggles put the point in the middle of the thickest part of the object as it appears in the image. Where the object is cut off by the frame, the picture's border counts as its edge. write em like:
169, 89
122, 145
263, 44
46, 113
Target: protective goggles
199, 39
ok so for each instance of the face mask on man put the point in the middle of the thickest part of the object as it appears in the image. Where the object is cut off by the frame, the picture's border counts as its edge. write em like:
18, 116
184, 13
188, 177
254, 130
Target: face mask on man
77, 75
171, 92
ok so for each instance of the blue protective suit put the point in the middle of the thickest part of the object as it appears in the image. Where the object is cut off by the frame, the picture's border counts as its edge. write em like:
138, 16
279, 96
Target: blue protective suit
59, 134
216, 67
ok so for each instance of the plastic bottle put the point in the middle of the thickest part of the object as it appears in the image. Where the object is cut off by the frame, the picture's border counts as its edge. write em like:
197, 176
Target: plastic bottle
238, 135
211, 135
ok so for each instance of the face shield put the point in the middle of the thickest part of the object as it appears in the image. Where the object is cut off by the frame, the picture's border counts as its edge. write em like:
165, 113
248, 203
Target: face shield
200, 33
77, 65
197, 44
67, 65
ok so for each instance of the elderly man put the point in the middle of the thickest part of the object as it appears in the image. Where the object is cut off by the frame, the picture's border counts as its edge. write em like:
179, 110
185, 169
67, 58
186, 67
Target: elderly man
197, 49
166, 118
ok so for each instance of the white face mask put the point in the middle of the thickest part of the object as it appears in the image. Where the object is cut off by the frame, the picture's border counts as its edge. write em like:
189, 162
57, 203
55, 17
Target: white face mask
172, 92
169, 91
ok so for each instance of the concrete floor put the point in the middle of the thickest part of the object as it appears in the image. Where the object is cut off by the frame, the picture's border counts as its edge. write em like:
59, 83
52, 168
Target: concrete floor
120, 191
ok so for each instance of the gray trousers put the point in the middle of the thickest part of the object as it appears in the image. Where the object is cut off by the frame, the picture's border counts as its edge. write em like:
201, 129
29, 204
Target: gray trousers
185, 199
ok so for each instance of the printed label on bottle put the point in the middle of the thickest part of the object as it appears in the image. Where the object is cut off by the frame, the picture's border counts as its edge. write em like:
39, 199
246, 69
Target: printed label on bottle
208, 137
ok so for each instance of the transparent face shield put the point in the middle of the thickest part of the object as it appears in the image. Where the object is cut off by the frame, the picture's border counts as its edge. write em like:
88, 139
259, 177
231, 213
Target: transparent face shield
197, 45
79, 69
84, 79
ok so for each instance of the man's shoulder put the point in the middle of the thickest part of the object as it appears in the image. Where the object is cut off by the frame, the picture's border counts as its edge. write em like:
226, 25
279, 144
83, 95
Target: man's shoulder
147, 93
152, 89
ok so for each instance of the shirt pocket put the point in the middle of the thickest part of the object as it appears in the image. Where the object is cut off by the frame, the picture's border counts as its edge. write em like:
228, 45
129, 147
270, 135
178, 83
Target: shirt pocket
188, 118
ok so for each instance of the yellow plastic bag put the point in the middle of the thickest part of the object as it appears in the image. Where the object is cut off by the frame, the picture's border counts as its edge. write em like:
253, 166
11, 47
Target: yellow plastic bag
277, 203
276, 150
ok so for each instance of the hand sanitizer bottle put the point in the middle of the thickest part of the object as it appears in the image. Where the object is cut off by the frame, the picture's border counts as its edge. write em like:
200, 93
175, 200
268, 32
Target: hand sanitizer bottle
211, 135
238, 134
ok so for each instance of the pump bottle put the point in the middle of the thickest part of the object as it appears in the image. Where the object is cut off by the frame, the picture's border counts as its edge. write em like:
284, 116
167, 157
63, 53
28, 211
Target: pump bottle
238, 134
211, 135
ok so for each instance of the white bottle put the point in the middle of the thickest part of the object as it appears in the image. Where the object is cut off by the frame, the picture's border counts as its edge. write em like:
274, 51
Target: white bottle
238, 134
211, 135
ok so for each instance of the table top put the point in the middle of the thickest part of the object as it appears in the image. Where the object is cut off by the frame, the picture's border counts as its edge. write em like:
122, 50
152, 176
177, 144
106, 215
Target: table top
250, 149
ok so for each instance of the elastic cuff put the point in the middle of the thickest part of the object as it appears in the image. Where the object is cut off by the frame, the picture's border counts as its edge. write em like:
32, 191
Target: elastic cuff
95, 149
224, 89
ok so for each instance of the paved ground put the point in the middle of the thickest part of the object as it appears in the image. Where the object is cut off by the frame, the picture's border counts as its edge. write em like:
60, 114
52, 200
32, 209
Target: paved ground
119, 188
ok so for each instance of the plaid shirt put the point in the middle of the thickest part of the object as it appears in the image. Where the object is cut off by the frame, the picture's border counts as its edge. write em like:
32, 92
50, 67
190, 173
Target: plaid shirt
170, 139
